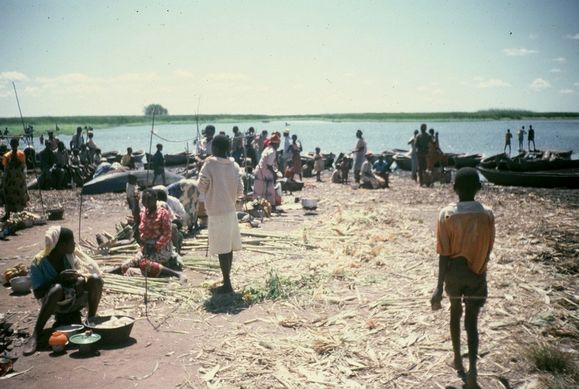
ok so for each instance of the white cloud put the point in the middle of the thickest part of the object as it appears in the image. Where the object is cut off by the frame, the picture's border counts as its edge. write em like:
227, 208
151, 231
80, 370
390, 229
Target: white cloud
13, 76
226, 77
560, 60
575, 37
519, 52
432, 89
540, 84
180, 73
491, 83
555, 70
567, 91
136, 77
576, 84
533, 36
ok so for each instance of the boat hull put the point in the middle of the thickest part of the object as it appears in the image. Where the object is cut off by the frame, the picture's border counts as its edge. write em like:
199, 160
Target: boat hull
116, 182
542, 179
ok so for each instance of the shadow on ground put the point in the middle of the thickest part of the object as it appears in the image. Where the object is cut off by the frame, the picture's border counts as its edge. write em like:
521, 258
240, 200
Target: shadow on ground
232, 303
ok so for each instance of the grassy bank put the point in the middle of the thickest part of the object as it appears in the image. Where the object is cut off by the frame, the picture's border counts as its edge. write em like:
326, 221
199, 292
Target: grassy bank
67, 124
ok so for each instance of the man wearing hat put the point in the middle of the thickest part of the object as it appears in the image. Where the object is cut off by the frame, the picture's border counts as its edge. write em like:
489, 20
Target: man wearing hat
265, 173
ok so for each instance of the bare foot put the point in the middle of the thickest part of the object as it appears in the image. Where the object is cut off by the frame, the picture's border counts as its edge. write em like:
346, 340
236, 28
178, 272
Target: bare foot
30, 347
471, 381
457, 365
223, 289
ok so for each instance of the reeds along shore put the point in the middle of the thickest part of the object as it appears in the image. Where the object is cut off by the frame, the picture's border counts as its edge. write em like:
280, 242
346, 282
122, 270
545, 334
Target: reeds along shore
68, 124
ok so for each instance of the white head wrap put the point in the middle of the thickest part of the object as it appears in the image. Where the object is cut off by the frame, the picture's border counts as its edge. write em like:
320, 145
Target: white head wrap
78, 260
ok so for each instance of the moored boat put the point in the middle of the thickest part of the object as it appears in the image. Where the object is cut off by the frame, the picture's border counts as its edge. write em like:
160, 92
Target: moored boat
532, 161
464, 160
567, 178
403, 161
116, 182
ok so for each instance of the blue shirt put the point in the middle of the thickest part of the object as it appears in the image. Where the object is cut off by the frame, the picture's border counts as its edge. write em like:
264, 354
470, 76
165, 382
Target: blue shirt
44, 273
380, 167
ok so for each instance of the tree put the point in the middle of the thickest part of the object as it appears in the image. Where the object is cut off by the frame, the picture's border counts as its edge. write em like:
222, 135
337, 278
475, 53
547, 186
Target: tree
158, 109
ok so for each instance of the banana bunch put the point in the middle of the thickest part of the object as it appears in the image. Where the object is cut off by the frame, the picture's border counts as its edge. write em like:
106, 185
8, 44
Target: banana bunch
16, 271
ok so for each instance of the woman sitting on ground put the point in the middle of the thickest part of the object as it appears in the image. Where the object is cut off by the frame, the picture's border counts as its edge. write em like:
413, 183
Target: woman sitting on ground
64, 280
157, 256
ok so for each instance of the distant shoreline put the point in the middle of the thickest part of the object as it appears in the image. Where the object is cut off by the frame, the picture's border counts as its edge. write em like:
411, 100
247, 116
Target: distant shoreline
67, 124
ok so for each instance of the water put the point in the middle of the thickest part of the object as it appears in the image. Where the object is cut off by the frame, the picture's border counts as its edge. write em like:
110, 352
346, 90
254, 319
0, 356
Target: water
486, 137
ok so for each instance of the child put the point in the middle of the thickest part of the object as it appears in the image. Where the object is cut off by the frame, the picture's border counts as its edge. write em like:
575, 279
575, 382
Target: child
465, 237
132, 192
345, 167
220, 181
289, 171
318, 164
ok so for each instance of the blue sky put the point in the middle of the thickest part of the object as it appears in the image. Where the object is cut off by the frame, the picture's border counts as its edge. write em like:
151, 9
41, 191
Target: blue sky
274, 57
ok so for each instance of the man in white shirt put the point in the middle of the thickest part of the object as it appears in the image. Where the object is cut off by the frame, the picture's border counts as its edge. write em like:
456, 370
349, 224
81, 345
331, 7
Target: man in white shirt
220, 181
287, 149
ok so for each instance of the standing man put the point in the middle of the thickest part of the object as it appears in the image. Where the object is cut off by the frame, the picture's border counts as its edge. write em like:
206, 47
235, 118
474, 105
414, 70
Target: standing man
531, 138
52, 141
508, 137
237, 145
465, 236
413, 155
521, 133
359, 155
158, 164
286, 154
77, 139
422, 143
207, 144
222, 185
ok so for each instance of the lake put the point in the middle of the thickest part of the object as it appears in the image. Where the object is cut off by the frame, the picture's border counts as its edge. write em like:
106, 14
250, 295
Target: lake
485, 137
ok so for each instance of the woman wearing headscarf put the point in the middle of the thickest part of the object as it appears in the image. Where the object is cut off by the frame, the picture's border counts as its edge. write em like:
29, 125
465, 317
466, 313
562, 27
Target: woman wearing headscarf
64, 280
14, 180
265, 173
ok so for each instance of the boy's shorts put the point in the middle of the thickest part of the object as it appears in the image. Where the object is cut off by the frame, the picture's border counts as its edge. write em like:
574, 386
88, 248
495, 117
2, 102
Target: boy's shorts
463, 283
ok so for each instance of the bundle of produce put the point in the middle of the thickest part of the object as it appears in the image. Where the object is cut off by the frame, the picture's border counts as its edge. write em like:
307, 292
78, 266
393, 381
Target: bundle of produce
15, 271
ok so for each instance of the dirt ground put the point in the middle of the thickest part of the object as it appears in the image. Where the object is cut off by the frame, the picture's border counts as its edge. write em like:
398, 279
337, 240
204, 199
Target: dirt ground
340, 298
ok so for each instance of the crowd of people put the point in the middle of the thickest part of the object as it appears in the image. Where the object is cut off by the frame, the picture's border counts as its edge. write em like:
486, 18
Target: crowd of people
62, 167
64, 280
425, 153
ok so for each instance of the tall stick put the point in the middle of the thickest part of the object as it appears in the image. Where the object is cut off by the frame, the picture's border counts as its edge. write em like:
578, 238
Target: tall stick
151, 147
80, 215
197, 121
34, 159
19, 110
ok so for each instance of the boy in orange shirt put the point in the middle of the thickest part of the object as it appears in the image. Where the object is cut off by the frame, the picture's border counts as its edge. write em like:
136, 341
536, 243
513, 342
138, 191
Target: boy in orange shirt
465, 237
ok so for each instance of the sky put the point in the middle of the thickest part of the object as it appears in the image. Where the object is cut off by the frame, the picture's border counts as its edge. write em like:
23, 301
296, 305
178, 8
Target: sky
287, 57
